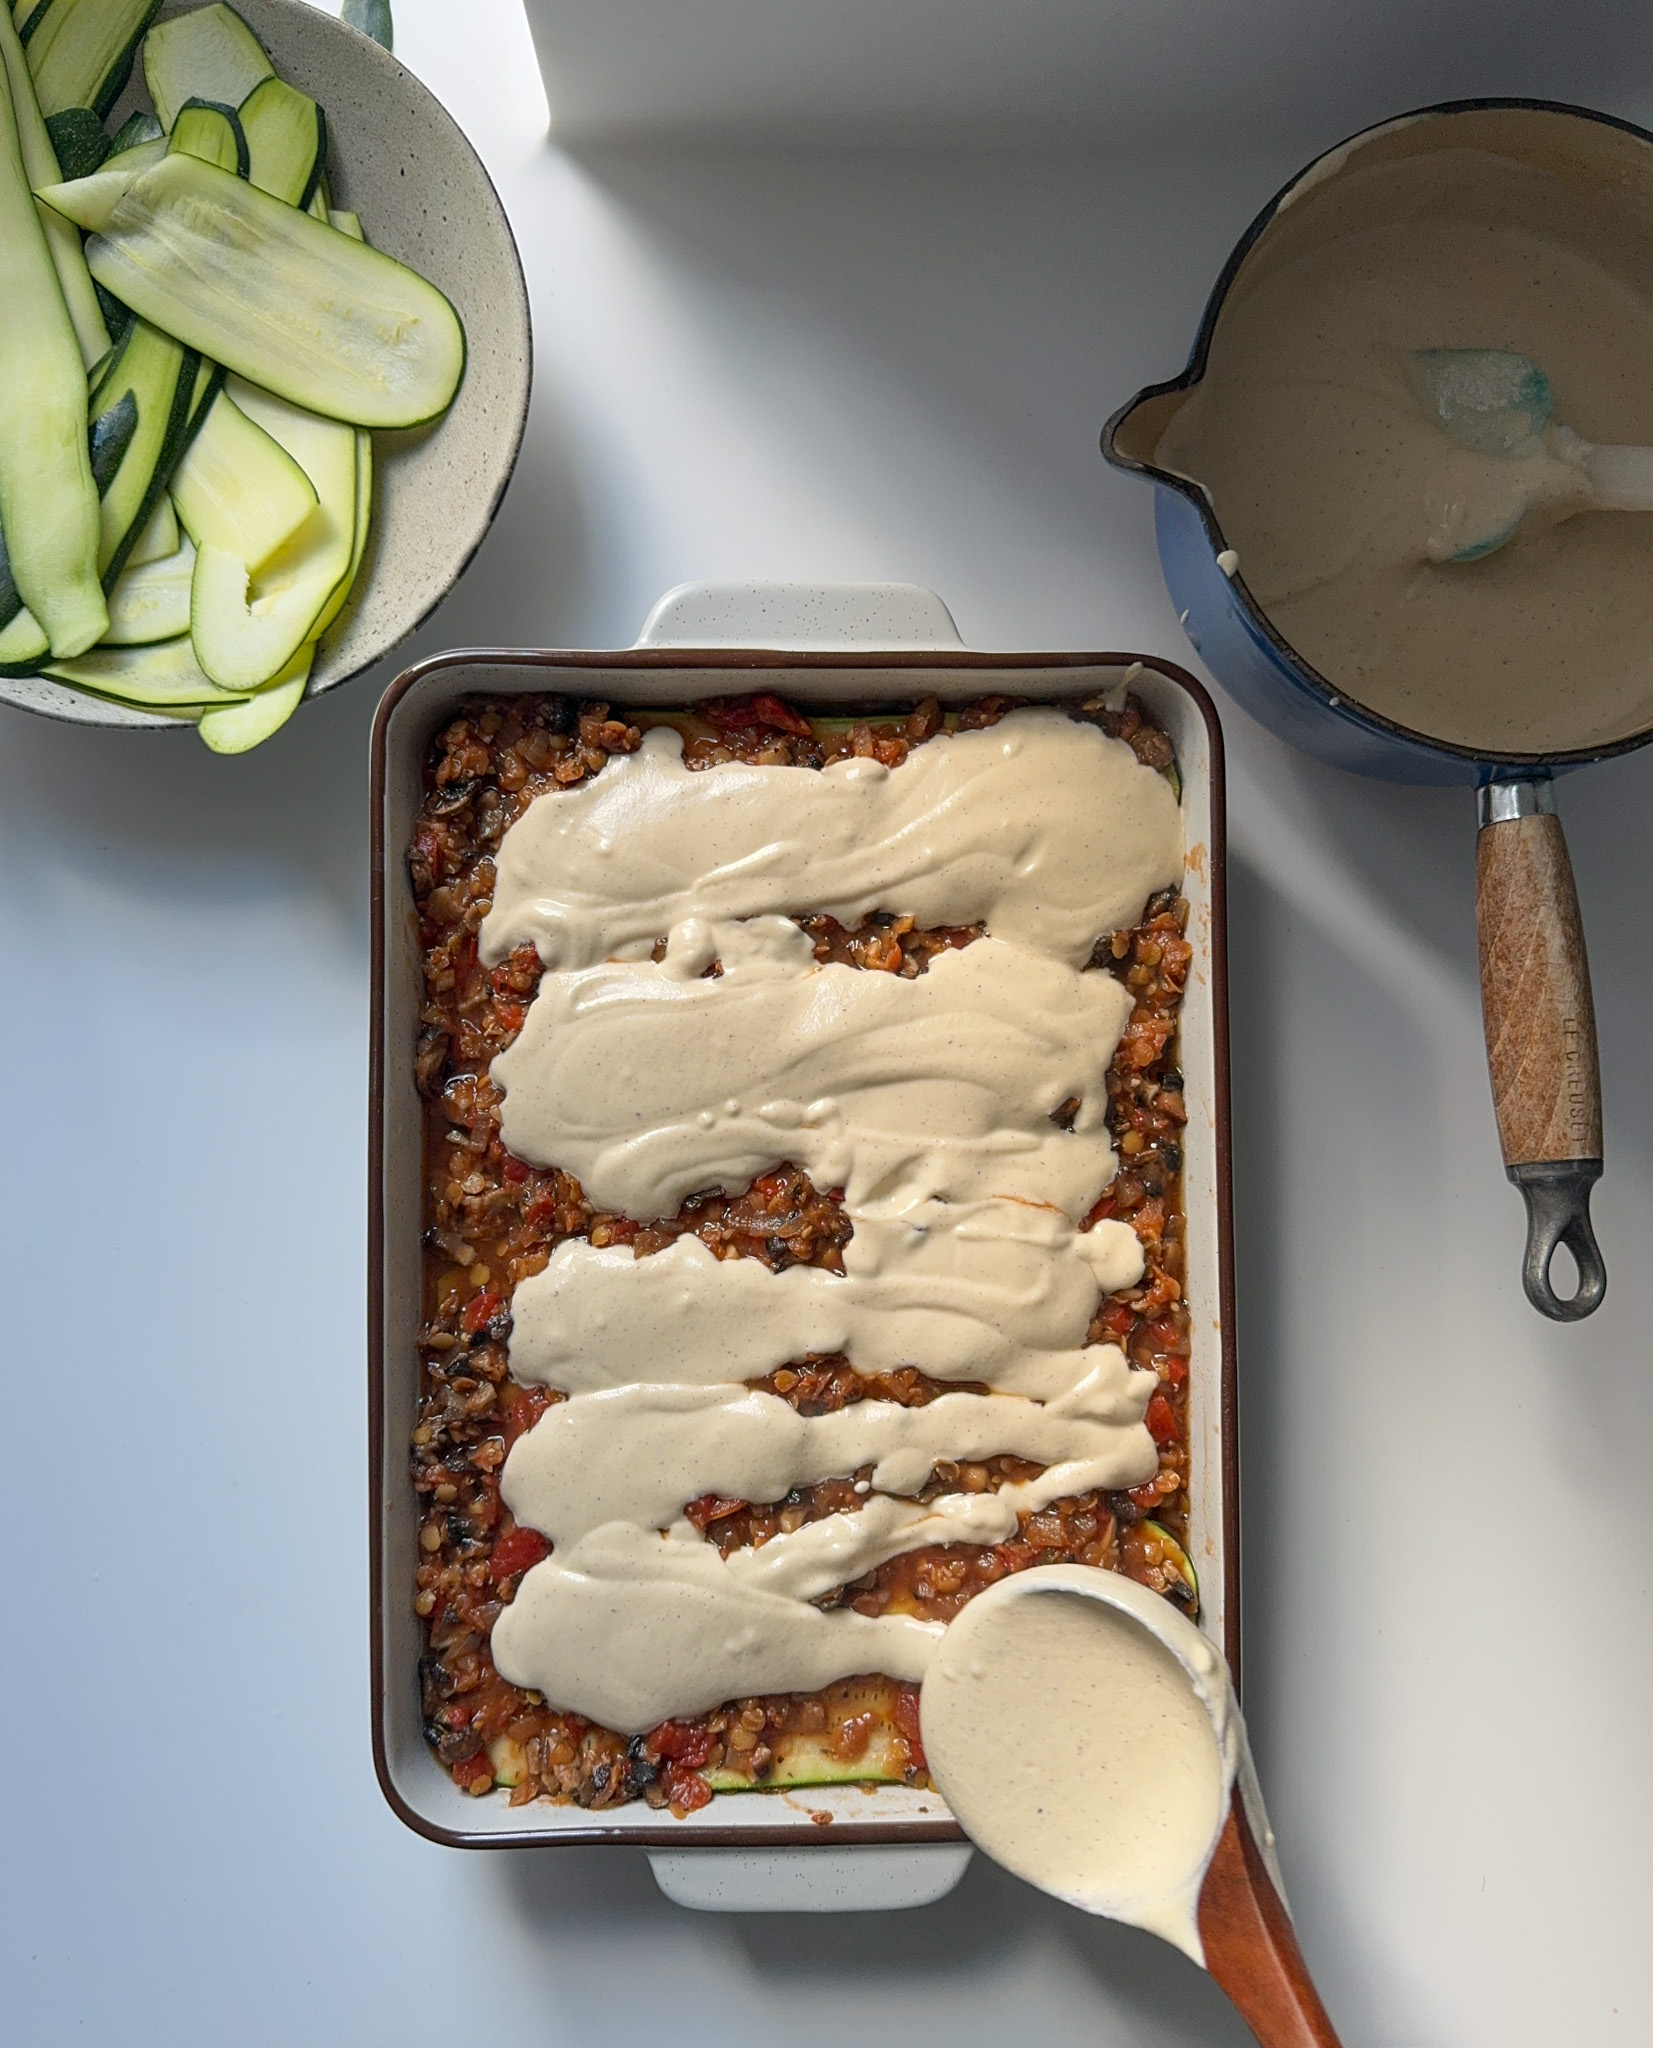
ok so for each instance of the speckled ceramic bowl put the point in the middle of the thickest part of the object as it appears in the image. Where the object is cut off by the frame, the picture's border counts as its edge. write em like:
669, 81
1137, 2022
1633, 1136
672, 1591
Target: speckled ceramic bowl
398, 160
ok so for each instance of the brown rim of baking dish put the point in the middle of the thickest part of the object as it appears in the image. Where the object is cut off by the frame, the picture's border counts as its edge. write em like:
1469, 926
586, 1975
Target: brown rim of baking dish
667, 660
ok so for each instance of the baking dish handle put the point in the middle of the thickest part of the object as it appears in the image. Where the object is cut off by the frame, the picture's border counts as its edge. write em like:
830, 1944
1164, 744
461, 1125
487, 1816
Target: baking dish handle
824, 1878
859, 1878
800, 615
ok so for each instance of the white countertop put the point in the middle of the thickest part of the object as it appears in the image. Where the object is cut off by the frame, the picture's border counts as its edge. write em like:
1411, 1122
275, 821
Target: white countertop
826, 362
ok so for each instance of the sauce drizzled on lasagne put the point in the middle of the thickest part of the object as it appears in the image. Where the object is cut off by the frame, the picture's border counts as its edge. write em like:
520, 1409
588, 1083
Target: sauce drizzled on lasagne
686, 1037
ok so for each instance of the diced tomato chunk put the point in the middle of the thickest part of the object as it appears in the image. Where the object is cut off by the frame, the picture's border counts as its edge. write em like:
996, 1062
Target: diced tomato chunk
512, 1171
678, 1742
712, 1507
1016, 1557
687, 1790
480, 1310
430, 847
735, 714
1143, 1040
527, 1405
1119, 1318
1161, 1419
515, 1552
475, 1774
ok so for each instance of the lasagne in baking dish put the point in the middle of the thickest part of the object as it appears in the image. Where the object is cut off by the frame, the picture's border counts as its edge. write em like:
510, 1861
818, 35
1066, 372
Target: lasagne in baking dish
804, 1235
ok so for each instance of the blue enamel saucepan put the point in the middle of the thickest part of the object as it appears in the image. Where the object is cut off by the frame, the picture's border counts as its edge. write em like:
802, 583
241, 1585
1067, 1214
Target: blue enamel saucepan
1535, 987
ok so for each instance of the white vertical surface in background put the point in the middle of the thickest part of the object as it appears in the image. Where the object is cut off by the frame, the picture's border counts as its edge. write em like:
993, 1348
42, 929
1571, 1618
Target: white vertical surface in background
830, 363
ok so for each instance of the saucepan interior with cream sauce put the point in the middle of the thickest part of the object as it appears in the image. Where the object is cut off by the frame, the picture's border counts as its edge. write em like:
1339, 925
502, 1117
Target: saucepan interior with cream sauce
1303, 486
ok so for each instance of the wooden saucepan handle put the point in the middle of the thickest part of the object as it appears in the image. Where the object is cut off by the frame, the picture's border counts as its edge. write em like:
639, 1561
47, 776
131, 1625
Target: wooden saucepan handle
1250, 1947
1541, 1034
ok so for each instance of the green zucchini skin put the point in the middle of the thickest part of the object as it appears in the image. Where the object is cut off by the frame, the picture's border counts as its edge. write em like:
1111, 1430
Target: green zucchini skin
116, 317
159, 538
111, 437
211, 133
81, 51
209, 381
145, 402
163, 676
48, 501
238, 728
10, 603
22, 647
32, 20
139, 127
287, 303
79, 141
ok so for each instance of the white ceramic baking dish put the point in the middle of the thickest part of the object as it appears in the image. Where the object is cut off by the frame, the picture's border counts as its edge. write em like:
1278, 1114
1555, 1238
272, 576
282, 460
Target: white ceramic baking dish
821, 648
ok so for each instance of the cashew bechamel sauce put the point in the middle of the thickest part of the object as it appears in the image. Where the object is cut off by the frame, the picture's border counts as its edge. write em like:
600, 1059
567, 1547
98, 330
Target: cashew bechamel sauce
901, 970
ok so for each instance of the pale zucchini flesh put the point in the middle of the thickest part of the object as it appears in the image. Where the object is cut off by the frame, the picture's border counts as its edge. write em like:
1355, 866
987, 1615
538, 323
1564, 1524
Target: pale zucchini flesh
358, 546
350, 224
238, 728
22, 646
248, 629
48, 501
151, 602
159, 538
210, 54
41, 166
209, 381
326, 322
150, 387
238, 490
211, 133
166, 677
807, 1759
81, 51
89, 202
286, 141
132, 157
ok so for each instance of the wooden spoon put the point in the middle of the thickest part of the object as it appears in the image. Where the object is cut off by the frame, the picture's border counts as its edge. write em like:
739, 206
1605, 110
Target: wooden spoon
1087, 1737
1251, 1948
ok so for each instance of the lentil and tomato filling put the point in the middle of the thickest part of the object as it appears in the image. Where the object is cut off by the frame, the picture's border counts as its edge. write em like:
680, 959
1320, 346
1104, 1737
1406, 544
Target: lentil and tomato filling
492, 1220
